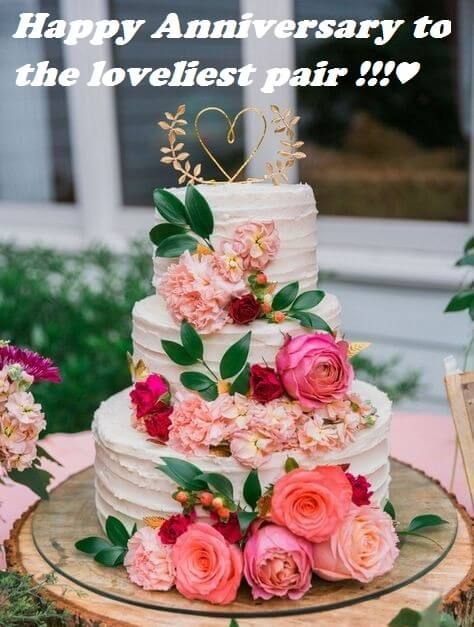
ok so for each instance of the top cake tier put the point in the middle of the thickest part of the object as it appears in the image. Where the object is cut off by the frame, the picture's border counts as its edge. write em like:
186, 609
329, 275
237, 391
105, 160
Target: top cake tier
291, 207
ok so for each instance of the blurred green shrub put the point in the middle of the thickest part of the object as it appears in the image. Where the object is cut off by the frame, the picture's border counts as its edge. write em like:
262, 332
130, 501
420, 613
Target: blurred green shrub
76, 309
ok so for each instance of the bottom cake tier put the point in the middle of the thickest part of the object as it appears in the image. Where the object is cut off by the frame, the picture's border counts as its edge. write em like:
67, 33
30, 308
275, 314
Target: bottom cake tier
129, 487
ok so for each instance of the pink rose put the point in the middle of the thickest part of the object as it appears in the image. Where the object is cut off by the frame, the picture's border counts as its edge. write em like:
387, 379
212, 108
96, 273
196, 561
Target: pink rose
314, 369
208, 568
364, 547
146, 395
277, 563
257, 243
312, 503
148, 561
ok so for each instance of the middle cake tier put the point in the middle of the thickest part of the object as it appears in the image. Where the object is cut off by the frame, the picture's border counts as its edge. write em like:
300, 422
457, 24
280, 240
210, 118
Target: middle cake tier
152, 323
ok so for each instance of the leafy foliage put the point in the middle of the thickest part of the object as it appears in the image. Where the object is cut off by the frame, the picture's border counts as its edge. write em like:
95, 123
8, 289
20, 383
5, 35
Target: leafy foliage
431, 617
21, 602
111, 551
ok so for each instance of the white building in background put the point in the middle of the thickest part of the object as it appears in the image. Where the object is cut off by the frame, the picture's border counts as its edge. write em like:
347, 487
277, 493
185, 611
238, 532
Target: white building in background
78, 166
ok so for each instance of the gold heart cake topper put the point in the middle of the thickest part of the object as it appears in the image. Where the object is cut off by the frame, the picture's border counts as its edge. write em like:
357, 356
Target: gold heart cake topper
283, 122
230, 137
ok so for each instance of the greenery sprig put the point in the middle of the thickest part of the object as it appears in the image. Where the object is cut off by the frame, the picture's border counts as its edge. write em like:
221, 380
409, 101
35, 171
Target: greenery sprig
191, 351
431, 617
422, 521
110, 551
184, 221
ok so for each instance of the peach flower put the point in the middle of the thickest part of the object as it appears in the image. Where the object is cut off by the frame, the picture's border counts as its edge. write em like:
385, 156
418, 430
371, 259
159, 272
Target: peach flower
312, 503
196, 424
194, 290
277, 563
207, 566
250, 448
148, 561
364, 547
257, 243
229, 262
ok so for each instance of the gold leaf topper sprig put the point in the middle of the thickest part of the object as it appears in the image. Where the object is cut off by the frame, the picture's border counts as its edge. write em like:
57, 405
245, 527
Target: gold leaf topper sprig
283, 122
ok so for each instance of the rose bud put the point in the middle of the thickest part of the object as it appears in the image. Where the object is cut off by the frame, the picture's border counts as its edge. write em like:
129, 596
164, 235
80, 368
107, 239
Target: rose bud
265, 384
245, 309
206, 498
217, 502
279, 316
261, 278
181, 496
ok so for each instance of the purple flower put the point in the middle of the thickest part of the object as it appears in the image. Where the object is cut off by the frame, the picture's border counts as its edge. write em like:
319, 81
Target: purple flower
41, 368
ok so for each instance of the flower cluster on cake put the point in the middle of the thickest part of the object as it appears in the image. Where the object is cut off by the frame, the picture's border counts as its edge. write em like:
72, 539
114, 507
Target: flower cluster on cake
245, 450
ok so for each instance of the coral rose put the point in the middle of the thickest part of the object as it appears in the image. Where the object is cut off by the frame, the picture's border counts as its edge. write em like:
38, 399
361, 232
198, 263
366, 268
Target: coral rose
207, 566
245, 309
277, 563
364, 547
314, 369
312, 503
148, 561
265, 384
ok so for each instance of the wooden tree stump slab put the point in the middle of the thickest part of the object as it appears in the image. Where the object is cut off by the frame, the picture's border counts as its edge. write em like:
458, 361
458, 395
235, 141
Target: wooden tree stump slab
43, 541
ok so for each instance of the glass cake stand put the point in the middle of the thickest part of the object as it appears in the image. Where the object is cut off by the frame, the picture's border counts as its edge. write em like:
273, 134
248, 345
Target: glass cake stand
70, 514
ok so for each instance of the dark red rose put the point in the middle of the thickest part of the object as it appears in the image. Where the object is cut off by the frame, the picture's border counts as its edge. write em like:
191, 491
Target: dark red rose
361, 492
147, 394
158, 423
230, 529
265, 384
245, 309
175, 526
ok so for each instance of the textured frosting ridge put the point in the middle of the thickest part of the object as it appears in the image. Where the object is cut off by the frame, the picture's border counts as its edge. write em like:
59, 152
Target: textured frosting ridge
129, 486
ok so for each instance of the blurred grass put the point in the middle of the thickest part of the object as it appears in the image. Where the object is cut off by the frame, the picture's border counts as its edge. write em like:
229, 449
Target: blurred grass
76, 309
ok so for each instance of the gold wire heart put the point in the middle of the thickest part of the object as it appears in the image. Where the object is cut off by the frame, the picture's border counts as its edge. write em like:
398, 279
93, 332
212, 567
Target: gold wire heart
230, 138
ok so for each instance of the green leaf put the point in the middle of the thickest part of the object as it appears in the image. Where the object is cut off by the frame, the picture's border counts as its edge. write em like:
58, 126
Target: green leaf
233, 623
469, 246
219, 483
175, 245
432, 617
245, 520
406, 618
235, 357
116, 531
201, 383
252, 490
161, 232
390, 510
285, 296
460, 301
311, 320
42, 453
183, 473
111, 557
425, 520
92, 545
241, 383
467, 260
34, 478
199, 213
134, 530
291, 464
308, 300
191, 340
169, 206
177, 353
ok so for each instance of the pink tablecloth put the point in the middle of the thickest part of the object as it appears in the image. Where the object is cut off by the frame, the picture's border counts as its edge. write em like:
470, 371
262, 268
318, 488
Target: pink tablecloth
426, 442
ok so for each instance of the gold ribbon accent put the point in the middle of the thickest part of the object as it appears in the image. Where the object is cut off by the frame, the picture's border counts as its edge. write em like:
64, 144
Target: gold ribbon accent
230, 138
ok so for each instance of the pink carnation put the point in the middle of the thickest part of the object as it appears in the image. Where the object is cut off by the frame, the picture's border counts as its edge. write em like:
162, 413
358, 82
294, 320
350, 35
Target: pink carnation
196, 425
362, 548
257, 243
196, 291
148, 561
277, 563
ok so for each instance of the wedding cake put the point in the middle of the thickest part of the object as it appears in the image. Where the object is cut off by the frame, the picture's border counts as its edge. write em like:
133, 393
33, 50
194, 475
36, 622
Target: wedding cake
245, 448
258, 248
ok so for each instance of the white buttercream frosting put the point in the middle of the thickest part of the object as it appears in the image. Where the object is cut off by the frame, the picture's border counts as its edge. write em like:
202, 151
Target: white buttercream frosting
291, 207
129, 486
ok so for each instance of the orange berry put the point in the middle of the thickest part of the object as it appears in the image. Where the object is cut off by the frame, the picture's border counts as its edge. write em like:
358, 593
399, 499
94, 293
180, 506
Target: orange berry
181, 497
217, 502
266, 307
223, 513
279, 316
206, 498
261, 278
